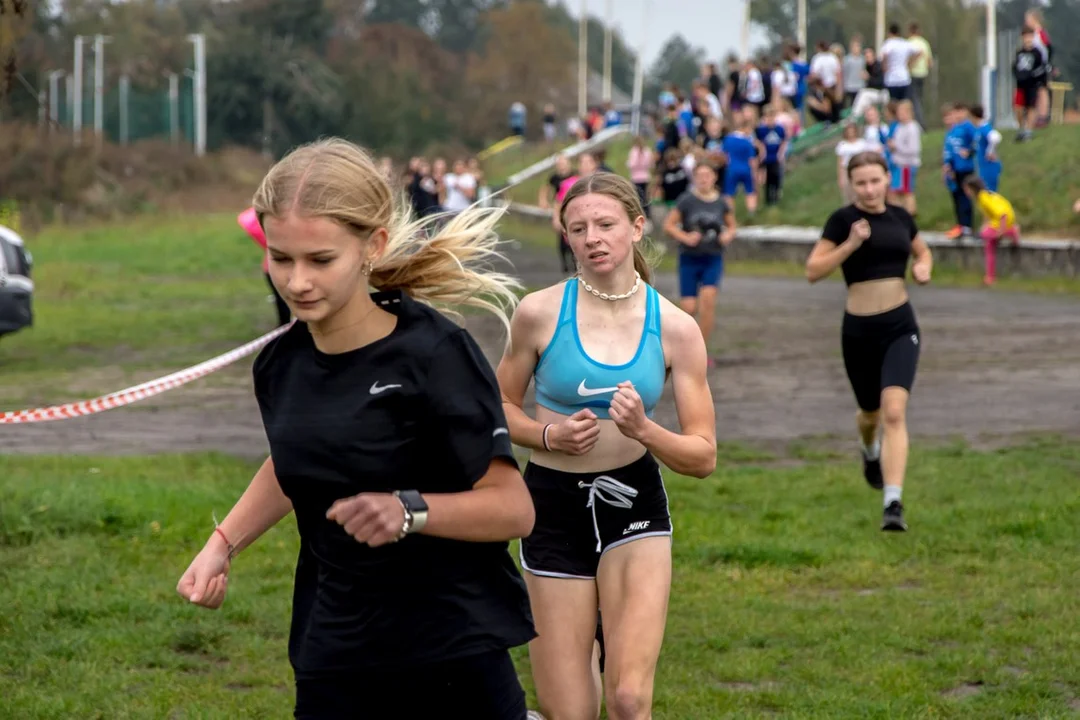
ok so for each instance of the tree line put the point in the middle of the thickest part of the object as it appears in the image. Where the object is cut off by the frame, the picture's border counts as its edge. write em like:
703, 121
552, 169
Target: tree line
406, 76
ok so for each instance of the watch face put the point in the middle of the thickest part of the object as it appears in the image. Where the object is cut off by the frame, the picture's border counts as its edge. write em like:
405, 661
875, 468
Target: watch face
413, 501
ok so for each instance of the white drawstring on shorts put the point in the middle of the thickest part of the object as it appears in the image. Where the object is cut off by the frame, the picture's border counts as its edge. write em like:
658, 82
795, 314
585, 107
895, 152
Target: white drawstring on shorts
620, 496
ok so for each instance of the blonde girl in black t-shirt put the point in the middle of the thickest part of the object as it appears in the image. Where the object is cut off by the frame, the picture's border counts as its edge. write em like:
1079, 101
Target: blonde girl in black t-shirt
389, 444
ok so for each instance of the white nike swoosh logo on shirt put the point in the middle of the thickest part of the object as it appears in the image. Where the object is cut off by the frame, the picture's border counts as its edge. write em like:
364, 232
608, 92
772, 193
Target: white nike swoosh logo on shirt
586, 392
375, 389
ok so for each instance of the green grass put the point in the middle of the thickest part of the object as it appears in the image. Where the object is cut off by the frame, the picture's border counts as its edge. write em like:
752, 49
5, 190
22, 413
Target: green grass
787, 601
527, 192
1038, 179
502, 165
152, 292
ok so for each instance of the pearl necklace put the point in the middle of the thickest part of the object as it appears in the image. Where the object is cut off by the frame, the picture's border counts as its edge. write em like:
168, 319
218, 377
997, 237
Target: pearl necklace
605, 296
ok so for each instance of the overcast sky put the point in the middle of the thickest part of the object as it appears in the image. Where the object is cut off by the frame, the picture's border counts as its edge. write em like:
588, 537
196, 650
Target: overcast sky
715, 25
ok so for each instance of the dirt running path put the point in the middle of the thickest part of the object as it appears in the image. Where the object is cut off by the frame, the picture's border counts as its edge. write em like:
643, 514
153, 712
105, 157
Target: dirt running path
992, 364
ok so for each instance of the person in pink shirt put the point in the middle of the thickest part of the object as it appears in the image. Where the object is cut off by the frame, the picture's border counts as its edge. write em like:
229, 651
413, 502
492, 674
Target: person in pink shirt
640, 162
250, 222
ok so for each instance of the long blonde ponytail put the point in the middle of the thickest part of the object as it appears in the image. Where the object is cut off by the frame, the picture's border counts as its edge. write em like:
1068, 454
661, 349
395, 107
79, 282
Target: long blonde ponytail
444, 261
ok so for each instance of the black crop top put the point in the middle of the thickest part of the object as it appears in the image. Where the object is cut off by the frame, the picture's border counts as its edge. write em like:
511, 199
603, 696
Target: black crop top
885, 253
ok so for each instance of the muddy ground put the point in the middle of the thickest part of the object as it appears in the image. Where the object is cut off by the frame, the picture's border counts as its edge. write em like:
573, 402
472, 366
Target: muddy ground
993, 364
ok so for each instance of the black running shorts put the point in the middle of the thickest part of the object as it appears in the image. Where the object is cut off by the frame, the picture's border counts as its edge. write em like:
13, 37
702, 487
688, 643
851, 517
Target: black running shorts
880, 351
580, 516
480, 687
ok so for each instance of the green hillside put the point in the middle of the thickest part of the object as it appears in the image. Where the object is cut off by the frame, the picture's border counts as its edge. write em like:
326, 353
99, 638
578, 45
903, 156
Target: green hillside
1040, 178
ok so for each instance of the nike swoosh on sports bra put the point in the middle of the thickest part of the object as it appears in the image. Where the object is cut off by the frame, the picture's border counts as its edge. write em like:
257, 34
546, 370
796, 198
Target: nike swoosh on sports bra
568, 380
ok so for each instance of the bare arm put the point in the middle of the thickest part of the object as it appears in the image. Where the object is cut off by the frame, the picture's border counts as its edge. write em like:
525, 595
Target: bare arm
262, 506
693, 450
827, 256
542, 200
515, 371
727, 236
924, 260
498, 508
673, 227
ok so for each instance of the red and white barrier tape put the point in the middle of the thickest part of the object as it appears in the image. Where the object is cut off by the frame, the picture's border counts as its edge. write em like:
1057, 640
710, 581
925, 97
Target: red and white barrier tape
138, 392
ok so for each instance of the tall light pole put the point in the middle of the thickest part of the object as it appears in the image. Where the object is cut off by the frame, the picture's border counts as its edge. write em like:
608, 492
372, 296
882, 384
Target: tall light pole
125, 90
583, 59
745, 40
174, 107
609, 18
76, 95
199, 41
800, 29
54, 97
879, 25
639, 71
99, 85
990, 88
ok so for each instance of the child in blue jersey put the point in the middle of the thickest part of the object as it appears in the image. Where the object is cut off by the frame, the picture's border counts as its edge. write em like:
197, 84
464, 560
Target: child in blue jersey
888, 132
958, 164
987, 161
742, 166
801, 68
772, 146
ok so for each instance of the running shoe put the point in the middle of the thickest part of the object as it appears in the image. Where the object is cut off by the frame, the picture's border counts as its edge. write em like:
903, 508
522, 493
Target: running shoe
871, 470
956, 233
893, 519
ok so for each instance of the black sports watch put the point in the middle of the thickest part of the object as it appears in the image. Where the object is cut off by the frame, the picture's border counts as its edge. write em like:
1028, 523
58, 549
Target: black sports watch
416, 511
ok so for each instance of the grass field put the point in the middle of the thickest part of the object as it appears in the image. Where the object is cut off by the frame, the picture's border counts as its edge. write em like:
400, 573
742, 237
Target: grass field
1041, 186
148, 293
787, 600
503, 164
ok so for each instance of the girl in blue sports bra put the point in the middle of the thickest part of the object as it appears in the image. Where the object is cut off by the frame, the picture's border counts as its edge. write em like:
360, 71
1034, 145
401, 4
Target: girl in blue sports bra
600, 347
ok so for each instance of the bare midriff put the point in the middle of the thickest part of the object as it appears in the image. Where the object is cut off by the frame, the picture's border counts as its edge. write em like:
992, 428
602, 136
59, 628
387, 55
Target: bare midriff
876, 296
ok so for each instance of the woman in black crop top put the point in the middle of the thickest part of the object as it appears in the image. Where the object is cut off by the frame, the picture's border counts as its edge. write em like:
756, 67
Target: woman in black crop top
871, 242
389, 445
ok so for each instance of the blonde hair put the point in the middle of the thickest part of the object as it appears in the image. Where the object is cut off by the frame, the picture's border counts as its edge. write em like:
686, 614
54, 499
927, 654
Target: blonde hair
440, 260
621, 190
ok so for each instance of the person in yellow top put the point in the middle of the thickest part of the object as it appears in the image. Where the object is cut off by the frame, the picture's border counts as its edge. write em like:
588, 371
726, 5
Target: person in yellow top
1000, 222
920, 70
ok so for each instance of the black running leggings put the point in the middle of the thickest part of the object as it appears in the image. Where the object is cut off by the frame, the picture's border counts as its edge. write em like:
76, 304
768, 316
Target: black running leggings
880, 351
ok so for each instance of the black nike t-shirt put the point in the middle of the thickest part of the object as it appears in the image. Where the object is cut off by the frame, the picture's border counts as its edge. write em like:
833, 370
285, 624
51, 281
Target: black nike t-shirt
419, 409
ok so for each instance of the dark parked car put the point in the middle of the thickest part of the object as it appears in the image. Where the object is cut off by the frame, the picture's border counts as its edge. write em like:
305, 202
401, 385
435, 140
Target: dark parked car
16, 287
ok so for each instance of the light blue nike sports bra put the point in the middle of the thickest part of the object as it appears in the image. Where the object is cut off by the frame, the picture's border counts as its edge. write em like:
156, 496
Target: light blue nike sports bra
568, 380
